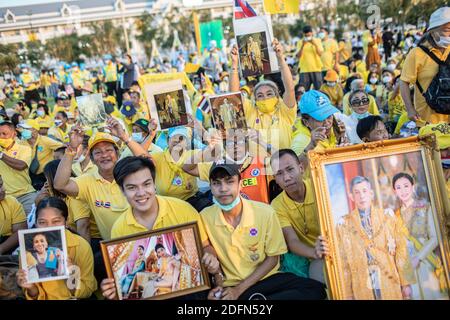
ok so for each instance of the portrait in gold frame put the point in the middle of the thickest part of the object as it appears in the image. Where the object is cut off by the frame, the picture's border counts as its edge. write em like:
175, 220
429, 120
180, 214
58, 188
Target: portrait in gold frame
380, 262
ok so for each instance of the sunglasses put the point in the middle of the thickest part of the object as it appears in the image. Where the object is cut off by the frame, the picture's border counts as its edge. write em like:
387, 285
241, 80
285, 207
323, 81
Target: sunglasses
361, 102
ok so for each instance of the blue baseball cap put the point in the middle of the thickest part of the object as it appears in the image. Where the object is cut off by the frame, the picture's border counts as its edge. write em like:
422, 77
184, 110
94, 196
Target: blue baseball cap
128, 109
74, 64
183, 131
317, 105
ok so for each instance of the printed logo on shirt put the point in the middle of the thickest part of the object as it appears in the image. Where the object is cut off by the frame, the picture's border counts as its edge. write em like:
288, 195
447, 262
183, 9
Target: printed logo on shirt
105, 204
255, 172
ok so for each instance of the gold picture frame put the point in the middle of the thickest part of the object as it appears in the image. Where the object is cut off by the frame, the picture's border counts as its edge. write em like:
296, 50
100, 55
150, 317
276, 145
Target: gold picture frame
338, 168
139, 253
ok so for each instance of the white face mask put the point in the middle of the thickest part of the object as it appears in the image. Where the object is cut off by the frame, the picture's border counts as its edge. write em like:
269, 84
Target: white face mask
443, 42
58, 123
331, 84
387, 79
81, 158
359, 116
373, 80
391, 67
308, 38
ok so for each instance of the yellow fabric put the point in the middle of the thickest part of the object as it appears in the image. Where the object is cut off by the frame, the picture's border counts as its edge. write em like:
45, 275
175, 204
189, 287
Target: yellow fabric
441, 131
152, 149
302, 138
59, 134
336, 94
44, 147
347, 110
104, 199
79, 209
80, 253
281, 6
17, 183
310, 60
28, 79
33, 124
419, 67
257, 236
396, 106
44, 122
78, 79
172, 212
275, 128
11, 213
330, 47
294, 214
110, 72
344, 52
401, 121
90, 168
166, 173
45, 80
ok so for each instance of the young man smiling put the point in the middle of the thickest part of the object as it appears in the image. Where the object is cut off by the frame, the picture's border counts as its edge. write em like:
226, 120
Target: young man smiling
248, 240
136, 178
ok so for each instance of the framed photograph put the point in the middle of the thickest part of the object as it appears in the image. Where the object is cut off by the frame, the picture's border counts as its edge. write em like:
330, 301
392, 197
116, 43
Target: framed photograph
167, 103
382, 207
91, 110
160, 264
228, 111
43, 253
254, 39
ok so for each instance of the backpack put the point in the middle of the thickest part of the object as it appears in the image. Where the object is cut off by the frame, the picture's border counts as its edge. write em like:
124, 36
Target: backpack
437, 95
9, 289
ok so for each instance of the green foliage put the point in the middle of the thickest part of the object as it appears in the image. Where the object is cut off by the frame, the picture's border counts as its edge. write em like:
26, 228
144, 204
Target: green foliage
8, 57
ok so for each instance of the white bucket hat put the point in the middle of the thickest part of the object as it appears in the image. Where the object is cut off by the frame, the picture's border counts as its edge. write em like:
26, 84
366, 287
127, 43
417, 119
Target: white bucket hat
440, 17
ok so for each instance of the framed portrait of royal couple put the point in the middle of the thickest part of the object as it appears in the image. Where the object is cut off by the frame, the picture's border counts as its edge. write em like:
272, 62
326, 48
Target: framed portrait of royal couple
157, 265
383, 208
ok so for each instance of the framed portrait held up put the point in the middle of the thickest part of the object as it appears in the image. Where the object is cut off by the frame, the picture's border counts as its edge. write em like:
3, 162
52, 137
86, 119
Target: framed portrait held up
383, 207
228, 111
43, 254
92, 110
160, 264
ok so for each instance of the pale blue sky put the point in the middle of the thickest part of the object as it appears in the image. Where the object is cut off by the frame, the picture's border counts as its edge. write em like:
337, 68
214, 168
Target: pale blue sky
7, 3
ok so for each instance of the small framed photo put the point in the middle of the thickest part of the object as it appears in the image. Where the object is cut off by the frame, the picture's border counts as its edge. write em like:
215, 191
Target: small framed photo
383, 208
92, 110
228, 111
167, 103
157, 265
43, 253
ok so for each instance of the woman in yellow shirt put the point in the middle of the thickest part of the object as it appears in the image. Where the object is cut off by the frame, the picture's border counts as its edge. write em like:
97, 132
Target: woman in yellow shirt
419, 67
52, 212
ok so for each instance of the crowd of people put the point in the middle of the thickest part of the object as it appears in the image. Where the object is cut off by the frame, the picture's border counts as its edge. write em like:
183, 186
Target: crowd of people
260, 232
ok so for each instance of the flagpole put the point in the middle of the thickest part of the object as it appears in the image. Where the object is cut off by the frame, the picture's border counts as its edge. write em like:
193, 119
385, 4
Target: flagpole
198, 38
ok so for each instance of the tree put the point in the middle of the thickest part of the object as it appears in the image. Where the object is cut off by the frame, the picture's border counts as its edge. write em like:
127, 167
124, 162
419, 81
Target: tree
8, 61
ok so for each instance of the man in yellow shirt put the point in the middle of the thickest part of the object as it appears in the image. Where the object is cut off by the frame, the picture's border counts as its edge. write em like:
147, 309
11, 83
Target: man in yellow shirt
42, 151
60, 131
30, 83
330, 55
333, 89
12, 219
296, 209
310, 62
136, 178
248, 240
110, 75
82, 162
15, 159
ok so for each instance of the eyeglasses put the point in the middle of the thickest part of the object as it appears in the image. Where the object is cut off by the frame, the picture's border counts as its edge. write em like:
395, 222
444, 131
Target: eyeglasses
361, 102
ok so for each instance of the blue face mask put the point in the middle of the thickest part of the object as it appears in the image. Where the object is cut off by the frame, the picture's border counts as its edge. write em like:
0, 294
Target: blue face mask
137, 136
26, 134
227, 207
40, 113
359, 116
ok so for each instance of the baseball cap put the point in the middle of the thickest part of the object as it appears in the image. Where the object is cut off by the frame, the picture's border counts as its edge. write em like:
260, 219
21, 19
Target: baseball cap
128, 109
63, 95
439, 17
183, 131
441, 131
317, 105
30, 124
143, 124
100, 137
231, 169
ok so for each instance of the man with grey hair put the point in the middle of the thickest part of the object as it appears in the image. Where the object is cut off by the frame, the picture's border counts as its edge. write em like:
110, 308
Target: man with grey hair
372, 249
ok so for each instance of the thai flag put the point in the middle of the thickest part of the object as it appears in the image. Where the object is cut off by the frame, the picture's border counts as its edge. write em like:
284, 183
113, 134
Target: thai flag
242, 9
204, 105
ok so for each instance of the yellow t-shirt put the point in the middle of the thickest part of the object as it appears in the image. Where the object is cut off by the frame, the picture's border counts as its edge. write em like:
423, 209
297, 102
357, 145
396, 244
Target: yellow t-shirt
310, 60
299, 216
57, 133
275, 129
80, 253
28, 79
396, 106
330, 47
11, 213
79, 209
172, 212
17, 183
171, 180
105, 200
336, 94
347, 110
242, 249
302, 138
419, 67
44, 147
78, 171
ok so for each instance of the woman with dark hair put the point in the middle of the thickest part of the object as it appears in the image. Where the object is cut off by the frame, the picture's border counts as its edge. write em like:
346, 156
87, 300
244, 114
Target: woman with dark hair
420, 230
52, 212
420, 68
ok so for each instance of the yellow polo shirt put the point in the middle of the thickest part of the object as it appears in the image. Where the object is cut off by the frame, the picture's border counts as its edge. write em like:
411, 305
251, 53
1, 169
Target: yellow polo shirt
172, 212
419, 67
310, 61
44, 147
240, 251
78, 171
79, 209
80, 253
105, 200
330, 47
299, 216
347, 110
11, 213
171, 180
275, 128
17, 183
